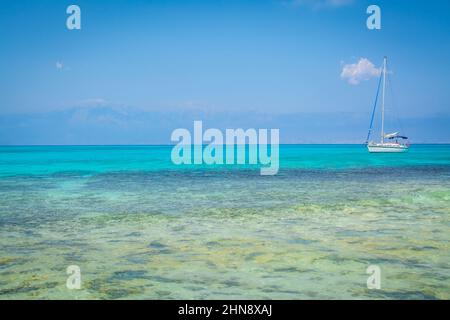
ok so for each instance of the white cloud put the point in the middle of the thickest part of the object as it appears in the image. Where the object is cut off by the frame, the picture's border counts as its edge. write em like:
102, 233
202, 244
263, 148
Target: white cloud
361, 71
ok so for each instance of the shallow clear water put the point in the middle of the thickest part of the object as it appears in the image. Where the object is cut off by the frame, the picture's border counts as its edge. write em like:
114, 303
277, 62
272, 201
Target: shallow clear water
140, 227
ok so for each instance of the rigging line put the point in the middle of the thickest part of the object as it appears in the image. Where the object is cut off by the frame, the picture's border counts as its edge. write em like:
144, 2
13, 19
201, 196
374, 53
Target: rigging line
395, 105
374, 107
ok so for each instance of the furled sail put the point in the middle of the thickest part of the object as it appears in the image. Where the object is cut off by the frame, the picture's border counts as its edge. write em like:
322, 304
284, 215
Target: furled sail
391, 135
394, 135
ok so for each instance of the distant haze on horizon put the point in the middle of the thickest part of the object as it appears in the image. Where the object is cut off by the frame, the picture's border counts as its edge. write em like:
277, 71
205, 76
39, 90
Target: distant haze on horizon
137, 70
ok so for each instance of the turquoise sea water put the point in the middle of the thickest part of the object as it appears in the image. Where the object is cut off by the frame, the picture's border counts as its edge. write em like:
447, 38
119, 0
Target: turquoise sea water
140, 227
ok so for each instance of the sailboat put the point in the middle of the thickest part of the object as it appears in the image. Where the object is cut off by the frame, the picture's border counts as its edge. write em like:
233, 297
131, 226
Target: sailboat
389, 142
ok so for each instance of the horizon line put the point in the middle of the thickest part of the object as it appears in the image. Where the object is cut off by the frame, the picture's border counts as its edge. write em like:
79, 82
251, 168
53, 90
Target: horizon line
174, 144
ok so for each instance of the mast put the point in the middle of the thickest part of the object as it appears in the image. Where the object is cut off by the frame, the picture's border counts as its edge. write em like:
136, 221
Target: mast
382, 104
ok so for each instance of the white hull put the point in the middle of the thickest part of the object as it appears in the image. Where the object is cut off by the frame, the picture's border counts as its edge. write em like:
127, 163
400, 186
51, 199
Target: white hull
378, 148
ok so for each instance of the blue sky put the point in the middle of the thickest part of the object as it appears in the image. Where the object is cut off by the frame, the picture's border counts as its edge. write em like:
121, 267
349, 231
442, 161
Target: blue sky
139, 69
